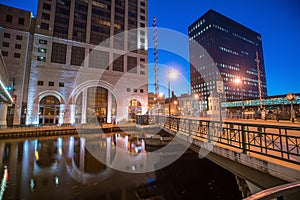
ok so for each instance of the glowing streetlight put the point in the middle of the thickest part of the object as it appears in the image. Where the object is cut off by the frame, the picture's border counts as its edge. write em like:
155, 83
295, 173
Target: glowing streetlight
171, 75
291, 98
238, 81
160, 97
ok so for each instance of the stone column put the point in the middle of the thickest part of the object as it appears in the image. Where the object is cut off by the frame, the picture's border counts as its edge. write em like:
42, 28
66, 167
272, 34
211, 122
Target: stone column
84, 104
109, 106
71, 114
3, 114
62, 112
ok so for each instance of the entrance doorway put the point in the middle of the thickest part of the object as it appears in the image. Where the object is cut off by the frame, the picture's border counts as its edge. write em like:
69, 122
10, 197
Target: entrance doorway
49, 110
134, 108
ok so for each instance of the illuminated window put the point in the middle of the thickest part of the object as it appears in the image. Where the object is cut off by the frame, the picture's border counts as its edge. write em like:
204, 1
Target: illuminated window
42, 41
42, 50
41, 58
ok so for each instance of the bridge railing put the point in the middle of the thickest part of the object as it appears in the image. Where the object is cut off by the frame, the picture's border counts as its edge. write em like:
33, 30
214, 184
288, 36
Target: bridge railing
280, 142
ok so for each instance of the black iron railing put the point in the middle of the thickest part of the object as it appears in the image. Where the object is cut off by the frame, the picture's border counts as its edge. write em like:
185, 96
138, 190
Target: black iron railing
281, 142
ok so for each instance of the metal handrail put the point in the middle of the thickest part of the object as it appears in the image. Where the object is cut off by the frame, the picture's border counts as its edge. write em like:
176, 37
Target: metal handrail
279, 142
277, 191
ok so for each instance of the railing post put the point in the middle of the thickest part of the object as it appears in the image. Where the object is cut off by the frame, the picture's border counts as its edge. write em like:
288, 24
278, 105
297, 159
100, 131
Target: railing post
189, 124
208, 131
243, 138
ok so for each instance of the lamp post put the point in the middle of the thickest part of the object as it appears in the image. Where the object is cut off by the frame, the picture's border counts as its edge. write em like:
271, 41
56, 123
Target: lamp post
291, 98
240, 81
161, 96
171, 75
197, 102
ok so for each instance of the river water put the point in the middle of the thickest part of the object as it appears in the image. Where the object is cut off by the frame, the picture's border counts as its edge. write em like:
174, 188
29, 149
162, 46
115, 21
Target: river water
64, 168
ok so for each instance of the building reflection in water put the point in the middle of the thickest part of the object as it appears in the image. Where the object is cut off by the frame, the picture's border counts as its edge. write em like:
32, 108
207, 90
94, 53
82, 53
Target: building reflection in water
64, 166
70, 168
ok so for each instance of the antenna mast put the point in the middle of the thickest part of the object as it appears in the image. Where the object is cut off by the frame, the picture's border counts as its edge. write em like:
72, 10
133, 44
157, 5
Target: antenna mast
155, 40
259, 81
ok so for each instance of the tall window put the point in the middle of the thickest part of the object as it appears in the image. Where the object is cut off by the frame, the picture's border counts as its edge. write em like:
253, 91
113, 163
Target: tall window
59, 53
77, 55
132, 64
99, 59
118, 63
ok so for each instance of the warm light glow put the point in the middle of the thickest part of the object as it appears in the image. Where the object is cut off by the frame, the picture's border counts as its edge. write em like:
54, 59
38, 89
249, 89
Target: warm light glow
160, 95
175, 102
196, 96
60, 151
37, 155
237, 80
172, 74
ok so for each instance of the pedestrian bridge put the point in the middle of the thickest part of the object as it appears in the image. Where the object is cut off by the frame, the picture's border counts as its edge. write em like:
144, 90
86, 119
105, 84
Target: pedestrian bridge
265, 155
5, 97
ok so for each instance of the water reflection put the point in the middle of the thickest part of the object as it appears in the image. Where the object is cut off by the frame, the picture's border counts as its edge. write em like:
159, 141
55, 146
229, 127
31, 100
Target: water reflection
51, 167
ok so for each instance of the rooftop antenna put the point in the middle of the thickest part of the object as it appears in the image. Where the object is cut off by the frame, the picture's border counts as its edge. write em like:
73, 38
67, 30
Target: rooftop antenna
155, 40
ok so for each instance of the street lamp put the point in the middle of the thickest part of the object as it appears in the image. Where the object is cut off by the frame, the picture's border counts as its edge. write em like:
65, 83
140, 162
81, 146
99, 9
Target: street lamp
239, 80
171, 75
161, 96
291, 98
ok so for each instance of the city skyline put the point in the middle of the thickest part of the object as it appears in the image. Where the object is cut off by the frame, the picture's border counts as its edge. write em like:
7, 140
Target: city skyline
280, 45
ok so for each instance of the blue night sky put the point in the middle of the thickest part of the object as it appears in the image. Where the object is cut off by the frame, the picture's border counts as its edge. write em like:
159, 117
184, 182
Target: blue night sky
276, 20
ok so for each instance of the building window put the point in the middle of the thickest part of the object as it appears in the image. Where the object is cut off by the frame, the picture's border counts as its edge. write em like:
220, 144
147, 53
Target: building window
21, 21
46, 16
134, 90
41, 41
40, 82
128, 89
142, 66
59, 53
46, 6
142, 3
142, 10
41, 58
51, 83
142, 17
42, 50
18, 46
142, 72
141, 90
5, 44
99, 59
118, 63
77, 55
44, 26
61, 84
142, 24
131, 64
4, 53
17, 55
142, 59
19, 37
9, 18
6, 35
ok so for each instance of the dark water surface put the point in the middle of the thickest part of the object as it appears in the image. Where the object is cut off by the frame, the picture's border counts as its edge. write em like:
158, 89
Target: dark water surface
62, 168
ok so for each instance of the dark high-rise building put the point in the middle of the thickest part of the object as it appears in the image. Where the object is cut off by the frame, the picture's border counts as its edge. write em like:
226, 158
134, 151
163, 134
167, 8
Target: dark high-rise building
230, 51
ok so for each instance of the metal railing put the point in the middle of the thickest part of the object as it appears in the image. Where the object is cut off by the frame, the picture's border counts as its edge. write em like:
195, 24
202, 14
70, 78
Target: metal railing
280, 142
